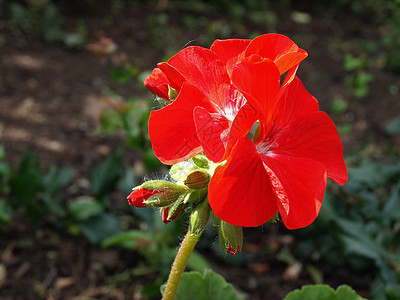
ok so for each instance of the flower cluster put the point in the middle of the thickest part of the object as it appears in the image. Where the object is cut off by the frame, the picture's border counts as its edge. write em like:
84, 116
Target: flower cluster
272, 147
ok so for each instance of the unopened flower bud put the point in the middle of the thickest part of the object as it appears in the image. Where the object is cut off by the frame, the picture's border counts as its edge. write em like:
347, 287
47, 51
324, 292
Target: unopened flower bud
176, 208
166, 215
139, 195
200, 217
230, 237
156, 193
197, 179
179, 171
201, 161
195, 196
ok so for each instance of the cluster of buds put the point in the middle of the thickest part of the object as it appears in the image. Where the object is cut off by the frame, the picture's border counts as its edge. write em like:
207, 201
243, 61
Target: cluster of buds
187, 193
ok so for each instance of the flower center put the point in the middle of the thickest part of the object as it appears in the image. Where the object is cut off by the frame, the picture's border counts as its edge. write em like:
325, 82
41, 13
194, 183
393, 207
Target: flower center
233, 105
266, 146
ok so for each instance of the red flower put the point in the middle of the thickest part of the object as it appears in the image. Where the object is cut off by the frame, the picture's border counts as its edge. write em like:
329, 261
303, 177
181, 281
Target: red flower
286, 165
209, 113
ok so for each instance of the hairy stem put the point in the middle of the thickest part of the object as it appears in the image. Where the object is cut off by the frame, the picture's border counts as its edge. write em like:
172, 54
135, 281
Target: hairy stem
179, 264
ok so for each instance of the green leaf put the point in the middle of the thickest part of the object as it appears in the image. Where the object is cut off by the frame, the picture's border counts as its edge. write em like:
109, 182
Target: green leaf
105, 176
323, 292
347, 293
27, 181
358, 241
5, 212
128, 239
84, 207
339, 106
110, 121
123, 74
391, 209
209, 285
99, 227
2, 152
197, 262
57, 179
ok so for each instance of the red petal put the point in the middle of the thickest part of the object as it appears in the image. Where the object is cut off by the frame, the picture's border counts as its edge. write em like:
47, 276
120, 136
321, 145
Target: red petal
279, 48
241, 126
230, 51
299, 185
175, 78
293, 102
157, 83
258, 80
212, 132
314, 136
172, 130
240, 191
139, 195
200, 67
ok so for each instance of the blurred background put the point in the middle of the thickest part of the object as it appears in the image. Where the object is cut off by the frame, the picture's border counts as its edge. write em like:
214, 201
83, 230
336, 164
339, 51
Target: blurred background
73, 143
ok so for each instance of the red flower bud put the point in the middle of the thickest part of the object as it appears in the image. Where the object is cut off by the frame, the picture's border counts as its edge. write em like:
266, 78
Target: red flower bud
166, 212
230, 238
156, 193
139, 195
232, 251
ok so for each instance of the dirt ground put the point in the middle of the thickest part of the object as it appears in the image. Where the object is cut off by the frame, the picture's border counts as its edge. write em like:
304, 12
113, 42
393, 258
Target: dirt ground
50, 103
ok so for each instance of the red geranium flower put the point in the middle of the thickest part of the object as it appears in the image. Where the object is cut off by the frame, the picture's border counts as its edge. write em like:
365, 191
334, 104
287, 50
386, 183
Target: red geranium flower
286, 165
208, 106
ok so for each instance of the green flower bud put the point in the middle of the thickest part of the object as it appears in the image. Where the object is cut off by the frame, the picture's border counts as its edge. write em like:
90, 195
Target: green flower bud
197, 179
199, 217
195, 196
230, 237
176, 207
201, 161
179, 171
168, 192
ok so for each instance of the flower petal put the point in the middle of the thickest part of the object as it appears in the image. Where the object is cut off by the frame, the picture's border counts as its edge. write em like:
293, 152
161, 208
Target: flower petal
314, 136
258, 80
299, 186
157, 83
172, 130
175, 78
240, 191
293, 101
200, 67
241, 125
212, 132
279, 48
230, 51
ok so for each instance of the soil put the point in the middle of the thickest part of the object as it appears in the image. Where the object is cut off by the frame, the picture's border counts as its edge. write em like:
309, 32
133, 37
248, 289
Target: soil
50, 102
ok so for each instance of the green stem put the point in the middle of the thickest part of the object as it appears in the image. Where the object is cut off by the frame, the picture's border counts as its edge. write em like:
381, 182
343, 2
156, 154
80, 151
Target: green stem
179, 264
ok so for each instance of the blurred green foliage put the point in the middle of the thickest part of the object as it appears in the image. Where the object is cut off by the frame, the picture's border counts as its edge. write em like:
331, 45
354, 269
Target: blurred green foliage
43, 19
359, 225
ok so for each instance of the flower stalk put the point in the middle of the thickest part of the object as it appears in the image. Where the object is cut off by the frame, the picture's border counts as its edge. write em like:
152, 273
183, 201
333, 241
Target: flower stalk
181, 259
